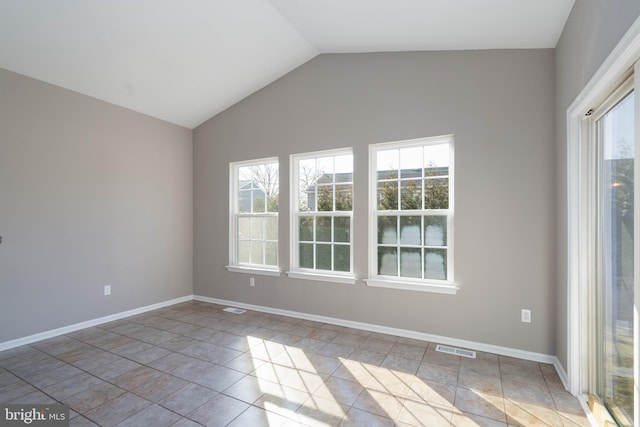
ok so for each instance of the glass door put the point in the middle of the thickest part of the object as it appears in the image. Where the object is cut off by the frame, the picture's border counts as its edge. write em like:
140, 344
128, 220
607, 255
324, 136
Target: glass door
614, 130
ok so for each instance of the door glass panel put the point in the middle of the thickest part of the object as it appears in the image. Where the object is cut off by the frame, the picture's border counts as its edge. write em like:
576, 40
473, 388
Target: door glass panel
615, 246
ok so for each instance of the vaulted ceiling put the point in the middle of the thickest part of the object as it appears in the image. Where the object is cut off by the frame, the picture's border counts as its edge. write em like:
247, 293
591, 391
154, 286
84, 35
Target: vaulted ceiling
185, 61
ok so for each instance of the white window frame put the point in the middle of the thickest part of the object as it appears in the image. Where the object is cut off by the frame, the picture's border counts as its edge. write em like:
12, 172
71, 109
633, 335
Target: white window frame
447, 286
306, 273
234, 214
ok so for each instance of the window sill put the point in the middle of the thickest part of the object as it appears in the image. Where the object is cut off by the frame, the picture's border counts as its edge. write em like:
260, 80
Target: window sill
444, 288
349, 280
253, 270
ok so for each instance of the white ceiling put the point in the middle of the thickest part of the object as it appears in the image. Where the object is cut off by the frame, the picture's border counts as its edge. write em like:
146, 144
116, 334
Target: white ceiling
184, 61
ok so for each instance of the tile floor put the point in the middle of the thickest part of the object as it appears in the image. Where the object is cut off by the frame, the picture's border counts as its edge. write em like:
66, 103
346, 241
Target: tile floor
193, 364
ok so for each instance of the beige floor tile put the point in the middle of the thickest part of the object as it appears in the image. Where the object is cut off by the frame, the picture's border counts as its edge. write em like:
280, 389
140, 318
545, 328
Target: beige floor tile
380, 403
421, 414
155, 416
477, 403
407, 351
186, 399
433, 393
72, 386
281, 399
471, 420
484, 367
117, 410
159, 387
317, 411
437, 372
527, 414
258, 417
481, 383
358, 418
342, 391
218, 411
91, 398
193, 363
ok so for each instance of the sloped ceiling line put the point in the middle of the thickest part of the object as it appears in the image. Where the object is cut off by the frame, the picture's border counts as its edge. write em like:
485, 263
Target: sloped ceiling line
186, 61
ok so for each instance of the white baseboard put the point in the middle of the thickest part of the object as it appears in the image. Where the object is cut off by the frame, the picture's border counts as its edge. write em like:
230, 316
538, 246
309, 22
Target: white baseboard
472, 345
89, 323
561, 372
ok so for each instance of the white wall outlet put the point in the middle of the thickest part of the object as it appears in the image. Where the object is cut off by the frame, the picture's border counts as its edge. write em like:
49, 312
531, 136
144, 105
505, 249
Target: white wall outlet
252, 281
525, 316
107, 290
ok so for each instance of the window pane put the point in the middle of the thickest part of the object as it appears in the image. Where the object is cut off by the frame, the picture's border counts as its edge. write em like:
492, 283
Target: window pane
259, 201
308, 175
325, 165
435, 264
344, 197
271, 228
306, 229
325, 198
435, 231
410, 263
271, 253
344, 177
273, 203
615, 242
388, 195
411, 195
256, 252
244, 228
257, 228
323, 229
410, 230
306, 255
388, 230
436, 156
344, 167
411, 162
244, 201
387, 261
342, 261
387, 160
436, 193
323, 257
243, 251
341, 229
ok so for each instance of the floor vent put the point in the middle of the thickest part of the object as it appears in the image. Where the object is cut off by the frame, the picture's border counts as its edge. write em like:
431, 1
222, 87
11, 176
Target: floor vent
234, 310
456, 351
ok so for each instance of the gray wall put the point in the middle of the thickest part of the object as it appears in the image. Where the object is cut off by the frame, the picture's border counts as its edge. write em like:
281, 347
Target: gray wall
593, 29
499, 105
90, 195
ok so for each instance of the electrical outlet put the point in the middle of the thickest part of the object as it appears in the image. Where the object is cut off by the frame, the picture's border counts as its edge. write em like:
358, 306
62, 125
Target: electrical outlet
107, 290
252, 281
525, 316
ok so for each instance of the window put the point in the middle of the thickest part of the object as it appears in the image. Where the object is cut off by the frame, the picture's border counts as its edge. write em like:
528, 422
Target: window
322, 212
411, 222
254, 216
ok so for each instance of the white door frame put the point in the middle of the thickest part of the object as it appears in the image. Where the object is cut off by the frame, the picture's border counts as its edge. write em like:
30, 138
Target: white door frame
579, 204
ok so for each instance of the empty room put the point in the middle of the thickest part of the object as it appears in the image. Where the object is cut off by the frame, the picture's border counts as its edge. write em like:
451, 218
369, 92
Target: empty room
319, 213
